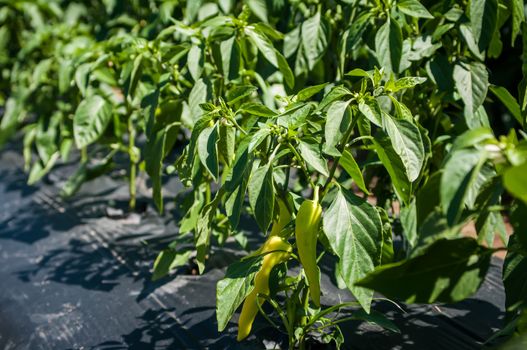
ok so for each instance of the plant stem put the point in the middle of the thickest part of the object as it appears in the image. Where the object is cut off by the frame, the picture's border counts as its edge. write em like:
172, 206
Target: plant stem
302, 165
133, 163
84, 155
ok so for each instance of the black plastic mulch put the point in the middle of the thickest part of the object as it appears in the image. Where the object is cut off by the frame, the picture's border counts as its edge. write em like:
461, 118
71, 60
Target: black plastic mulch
74, 277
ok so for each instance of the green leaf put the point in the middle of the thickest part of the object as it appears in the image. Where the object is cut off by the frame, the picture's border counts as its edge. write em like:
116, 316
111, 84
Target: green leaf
370, 108
261, 196
509, 101
441, 72
376, 318
460, 173
467, 34
239, 92
195, 61
483, 17
230, 58
472, 138
259, 9
309, 92
518, 17
387, 253
336, 93
227, 143
90, 120
395, 168
407, 143
39, 170
515, 181
208, 149
135, 75
428, 198
408, 219
405, 83
315, 33
284, 68
85, 173
448, 271
338, 119
236, 201
234, 287
295, 116
472, 82
349, 164
258, 137
414, 8
199, 126
313, 157
198, 95
266, 48
155, 151
167, 260
204, 229
257, 109
515, 274
354, 230
389, 45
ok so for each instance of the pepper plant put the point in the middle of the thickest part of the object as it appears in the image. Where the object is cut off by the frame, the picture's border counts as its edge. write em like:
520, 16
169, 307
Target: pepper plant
363, 134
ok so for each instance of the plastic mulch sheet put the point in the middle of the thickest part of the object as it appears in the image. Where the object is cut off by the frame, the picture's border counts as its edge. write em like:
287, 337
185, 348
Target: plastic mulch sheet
74, 275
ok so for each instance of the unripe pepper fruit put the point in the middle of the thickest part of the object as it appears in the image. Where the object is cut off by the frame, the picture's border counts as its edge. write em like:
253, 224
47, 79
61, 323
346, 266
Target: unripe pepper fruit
283, 219
281, 251
306, 233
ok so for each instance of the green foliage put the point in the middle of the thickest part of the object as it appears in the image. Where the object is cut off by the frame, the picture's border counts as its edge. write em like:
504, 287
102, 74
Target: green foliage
254, 104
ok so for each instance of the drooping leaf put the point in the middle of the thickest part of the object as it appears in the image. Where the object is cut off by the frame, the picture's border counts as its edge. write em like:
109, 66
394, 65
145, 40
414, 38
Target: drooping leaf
509, 101
472, 82
414, 8
371, 110
407, 143
155, 151
405, 83
198, 95
310, 91
349, 164
230, 58
448, 271
195, 61
408, 219
515, 181
395, 167
234, 287
389, 45
460, 173
207, 146
238, 93
313, 157
261, 196
483, 17
518, 17
338, 119
167, 260
315, 33
90, 120
259, 9
265, 46
354, 230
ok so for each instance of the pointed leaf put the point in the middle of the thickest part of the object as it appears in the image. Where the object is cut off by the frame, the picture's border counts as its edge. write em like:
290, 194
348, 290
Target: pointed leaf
354, 230
261, 196
90, 120
448, 271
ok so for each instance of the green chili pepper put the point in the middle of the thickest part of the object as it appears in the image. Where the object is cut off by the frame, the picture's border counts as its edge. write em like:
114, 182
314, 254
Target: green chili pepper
306, 233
